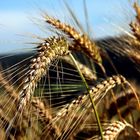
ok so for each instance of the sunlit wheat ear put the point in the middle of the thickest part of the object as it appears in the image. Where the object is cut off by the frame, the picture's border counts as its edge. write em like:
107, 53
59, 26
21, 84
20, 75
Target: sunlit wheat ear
113, 130
81, 42
87, 72
137, 9
135, 25
46, 117
96, 92
47, 52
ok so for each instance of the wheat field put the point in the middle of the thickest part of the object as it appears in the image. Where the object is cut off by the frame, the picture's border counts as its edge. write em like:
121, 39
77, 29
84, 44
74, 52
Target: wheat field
69, 86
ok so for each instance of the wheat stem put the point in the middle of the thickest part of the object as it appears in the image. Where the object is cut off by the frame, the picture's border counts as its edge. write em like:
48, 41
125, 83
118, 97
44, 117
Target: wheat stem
88, 90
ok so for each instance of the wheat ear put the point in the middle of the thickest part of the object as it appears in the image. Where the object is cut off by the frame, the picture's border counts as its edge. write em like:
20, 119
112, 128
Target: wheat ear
96, 91
114, 129
9, 89
81, 42
122, 101
47, 52
135, 26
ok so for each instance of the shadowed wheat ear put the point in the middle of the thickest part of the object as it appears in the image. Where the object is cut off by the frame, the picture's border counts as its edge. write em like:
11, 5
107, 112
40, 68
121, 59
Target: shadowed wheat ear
81, 42
113, 130
41, 109
126, 102
87, 72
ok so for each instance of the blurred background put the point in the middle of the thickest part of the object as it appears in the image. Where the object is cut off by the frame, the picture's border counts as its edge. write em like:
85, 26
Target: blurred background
19, 19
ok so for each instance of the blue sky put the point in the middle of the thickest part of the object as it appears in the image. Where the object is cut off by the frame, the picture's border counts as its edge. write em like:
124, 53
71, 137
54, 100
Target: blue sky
18, 19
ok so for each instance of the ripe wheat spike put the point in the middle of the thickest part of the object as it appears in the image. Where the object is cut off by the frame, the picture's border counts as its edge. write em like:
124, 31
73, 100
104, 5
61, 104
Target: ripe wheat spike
96, 92
81, 42
123, 100
113, 130
48, 51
